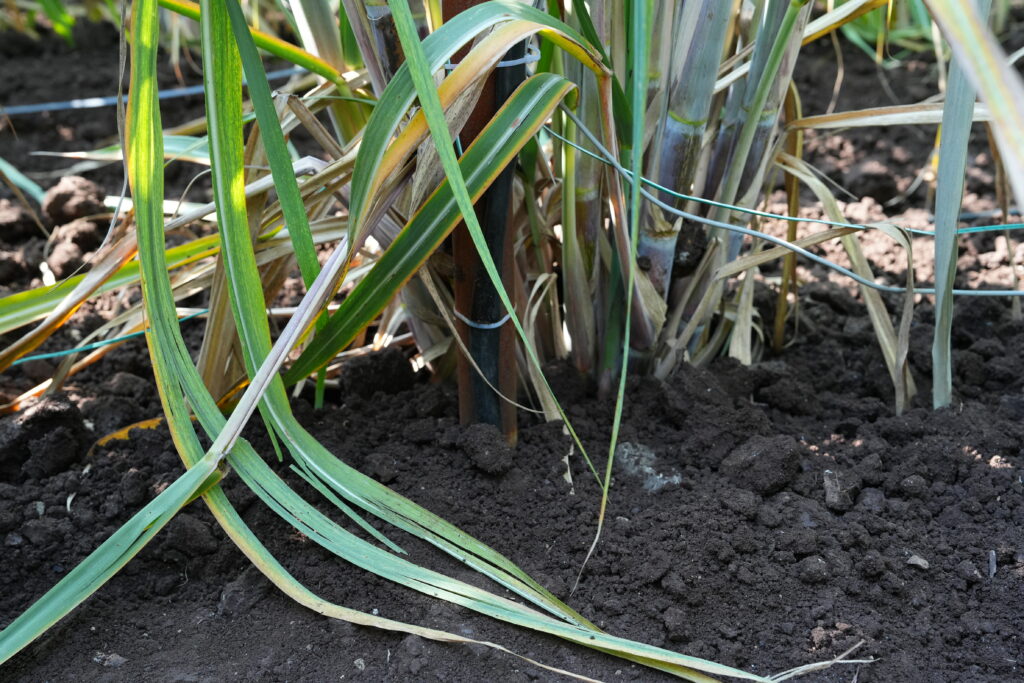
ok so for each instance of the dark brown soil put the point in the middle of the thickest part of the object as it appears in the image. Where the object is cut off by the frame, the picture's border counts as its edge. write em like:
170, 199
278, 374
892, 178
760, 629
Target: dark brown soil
764, 517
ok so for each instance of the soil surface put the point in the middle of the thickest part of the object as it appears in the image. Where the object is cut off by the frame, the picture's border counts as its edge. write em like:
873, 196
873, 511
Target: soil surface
764, 517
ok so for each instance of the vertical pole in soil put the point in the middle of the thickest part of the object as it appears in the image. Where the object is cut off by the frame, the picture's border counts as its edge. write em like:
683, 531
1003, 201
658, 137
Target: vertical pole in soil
491, 343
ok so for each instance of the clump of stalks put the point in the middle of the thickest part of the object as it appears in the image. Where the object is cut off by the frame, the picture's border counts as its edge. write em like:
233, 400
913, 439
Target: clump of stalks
633, 157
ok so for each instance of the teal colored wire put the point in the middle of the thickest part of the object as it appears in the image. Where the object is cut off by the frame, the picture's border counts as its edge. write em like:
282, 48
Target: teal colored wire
766, 214
609, 159
98, 344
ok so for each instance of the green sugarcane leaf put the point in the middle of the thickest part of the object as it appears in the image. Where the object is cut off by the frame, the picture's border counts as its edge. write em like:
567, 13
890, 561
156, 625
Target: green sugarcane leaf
222, 78
275, 46
955, 133
247, 304
997, 84
431, 107
439, 47
22, 181
104, 562
277, 150
514, 125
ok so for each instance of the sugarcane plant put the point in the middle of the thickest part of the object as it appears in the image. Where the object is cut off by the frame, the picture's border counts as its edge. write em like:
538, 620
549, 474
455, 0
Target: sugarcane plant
621, 177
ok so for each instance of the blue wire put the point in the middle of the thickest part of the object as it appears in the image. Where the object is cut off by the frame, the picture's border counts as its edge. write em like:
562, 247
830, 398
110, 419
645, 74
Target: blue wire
767, 214
99, 344
609, 159
96, 102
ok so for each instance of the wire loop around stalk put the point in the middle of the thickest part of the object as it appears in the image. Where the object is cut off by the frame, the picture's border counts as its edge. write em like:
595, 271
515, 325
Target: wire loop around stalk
97, 102
482, 326
532, 55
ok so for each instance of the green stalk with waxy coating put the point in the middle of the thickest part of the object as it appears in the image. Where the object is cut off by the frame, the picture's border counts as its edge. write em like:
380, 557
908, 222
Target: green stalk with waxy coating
700, 33
757, 116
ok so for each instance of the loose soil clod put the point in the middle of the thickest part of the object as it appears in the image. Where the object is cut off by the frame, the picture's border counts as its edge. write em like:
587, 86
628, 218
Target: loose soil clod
72, 198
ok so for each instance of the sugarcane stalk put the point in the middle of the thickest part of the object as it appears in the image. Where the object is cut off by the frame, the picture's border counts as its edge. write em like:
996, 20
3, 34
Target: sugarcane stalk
577, 265
753, 110
794, 146
377, 31
761, 106
583, 207
700, 29
356, 14
661, 49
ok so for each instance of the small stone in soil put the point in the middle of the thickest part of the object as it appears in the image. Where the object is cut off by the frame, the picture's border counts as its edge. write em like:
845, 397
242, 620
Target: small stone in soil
40, 532
1012, 407
411, 655
82, 232
9, 520
744, 503
38, 370
381, 467
134, 486
65, 259
813, 570
11, 267
165, 584
42, 440
836, 497
914, 485
420, 431
127, 384
918, 561
388, 371
764, 464
111, 660
871, 469
190, 535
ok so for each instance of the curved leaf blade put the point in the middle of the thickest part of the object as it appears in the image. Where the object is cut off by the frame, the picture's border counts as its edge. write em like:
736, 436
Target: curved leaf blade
525, 112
